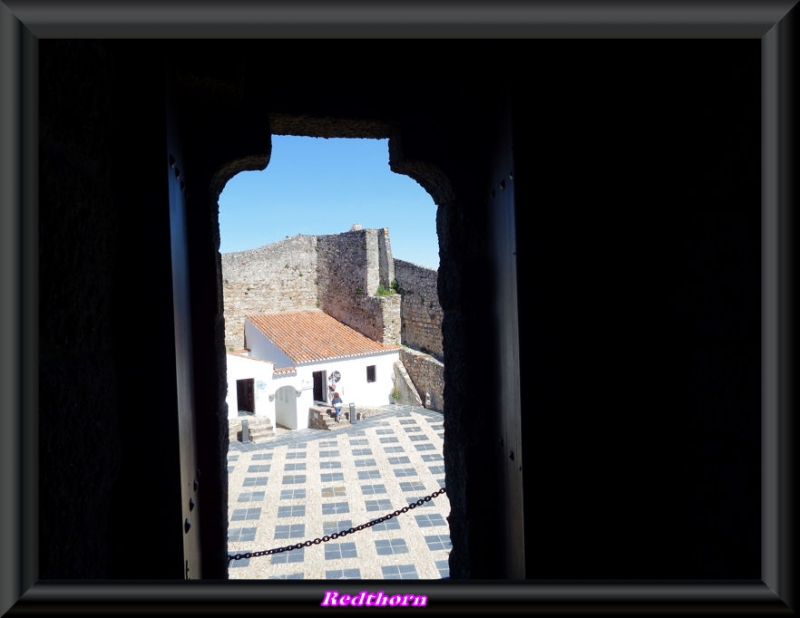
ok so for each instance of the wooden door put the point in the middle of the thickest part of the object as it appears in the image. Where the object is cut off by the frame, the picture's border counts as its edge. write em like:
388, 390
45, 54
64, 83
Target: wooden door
245, 398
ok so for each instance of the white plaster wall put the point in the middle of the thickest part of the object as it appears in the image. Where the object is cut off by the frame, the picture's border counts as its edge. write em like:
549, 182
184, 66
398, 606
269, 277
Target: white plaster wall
304, 401
286, 406
242, 368
292, 399
261, 347
353, 387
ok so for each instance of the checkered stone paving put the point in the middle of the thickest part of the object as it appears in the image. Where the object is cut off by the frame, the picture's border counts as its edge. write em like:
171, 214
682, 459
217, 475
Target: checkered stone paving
302, 485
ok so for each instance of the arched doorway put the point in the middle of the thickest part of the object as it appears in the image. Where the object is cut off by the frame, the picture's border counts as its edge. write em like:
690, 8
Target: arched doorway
286, 407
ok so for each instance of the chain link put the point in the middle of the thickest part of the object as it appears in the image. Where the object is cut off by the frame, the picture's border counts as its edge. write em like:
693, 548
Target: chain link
336, 535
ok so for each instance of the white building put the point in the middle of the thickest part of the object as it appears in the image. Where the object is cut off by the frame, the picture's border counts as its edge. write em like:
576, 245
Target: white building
296, 359
249, 381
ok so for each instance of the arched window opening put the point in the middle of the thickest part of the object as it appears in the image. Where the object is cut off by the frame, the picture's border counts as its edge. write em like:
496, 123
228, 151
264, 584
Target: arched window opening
329, 281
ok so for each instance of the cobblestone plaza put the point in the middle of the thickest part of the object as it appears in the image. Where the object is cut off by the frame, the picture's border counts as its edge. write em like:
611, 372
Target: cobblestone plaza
302, 485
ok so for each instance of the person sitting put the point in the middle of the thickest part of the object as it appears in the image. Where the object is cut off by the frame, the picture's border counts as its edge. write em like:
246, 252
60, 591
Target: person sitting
337, 405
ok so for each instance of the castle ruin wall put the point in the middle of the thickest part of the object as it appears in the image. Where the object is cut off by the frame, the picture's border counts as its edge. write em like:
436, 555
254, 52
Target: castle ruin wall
349, 269
385, 260
276, 277
340, 274
427, 374
421, 315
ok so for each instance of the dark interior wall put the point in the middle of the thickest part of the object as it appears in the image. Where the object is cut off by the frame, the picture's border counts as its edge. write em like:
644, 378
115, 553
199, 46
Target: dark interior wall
77, 265
107, 427
638, 230
642, 339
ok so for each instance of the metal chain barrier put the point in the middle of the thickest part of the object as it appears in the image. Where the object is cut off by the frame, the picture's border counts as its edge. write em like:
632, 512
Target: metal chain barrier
336, 535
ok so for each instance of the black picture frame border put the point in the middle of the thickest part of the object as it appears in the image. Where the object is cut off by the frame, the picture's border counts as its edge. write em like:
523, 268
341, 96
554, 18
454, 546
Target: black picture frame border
22, 24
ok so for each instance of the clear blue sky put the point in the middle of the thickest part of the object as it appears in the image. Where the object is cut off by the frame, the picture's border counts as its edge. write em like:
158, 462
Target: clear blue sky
323, 186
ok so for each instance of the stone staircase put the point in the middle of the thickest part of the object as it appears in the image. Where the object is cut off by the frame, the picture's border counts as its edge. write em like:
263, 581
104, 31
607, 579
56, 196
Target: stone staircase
260, 428
322, 417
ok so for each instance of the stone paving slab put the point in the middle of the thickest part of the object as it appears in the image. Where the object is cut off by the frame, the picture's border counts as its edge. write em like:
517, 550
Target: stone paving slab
301, 485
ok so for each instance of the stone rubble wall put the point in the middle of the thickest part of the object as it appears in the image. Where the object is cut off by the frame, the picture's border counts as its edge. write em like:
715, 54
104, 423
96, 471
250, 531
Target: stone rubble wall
317, 415
281, 276
420, 313
427, 374
351, 266
340, 274
385, 259
404, 386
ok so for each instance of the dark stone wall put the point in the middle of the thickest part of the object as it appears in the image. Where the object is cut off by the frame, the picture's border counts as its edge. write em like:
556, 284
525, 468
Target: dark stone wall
103, 402
78, 261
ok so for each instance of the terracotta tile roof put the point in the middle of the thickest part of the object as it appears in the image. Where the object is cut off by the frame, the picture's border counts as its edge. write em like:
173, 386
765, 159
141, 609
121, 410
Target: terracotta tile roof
313, 335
